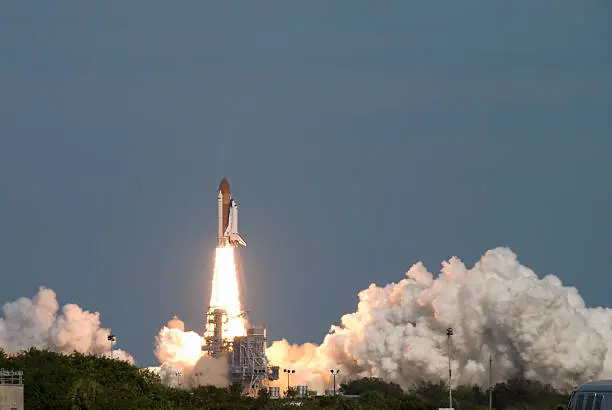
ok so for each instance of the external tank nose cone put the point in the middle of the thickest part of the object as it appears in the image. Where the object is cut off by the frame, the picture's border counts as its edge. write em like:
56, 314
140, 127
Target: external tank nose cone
224, 186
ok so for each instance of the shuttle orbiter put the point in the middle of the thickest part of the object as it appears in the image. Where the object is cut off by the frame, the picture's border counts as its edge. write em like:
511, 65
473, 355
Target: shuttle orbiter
228, 218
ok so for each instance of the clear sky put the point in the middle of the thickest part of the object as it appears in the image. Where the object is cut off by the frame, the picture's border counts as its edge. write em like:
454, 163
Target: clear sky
358, 138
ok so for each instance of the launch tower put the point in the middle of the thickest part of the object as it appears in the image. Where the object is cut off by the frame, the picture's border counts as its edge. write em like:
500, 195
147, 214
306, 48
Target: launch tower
246, 355
215, 344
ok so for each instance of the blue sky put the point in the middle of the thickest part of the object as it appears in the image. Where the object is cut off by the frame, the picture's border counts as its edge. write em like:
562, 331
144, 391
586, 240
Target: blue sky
358, 140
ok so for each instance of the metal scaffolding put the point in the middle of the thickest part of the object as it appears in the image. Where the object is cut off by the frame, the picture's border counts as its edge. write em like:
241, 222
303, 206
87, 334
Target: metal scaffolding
246, 355
215, 343
247, 360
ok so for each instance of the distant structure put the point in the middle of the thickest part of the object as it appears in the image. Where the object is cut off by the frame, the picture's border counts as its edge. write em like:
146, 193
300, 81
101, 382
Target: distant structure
11, 390
246, 355
275, 392
247, 361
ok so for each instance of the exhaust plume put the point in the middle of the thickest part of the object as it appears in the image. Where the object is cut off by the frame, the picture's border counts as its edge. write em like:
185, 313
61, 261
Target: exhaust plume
225, 293
35, 322
533, 328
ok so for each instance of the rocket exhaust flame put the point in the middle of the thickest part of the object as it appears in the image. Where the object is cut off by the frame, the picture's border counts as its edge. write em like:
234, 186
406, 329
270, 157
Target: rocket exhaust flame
225, 294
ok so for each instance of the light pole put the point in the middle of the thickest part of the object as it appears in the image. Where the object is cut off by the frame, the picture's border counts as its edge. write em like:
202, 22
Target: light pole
449, 333
111, 338
288, 371
334, 374
490, 382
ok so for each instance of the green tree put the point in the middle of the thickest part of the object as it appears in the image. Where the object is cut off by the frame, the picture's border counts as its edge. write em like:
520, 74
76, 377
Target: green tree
77, 381
85, 394
368, 384
291, 392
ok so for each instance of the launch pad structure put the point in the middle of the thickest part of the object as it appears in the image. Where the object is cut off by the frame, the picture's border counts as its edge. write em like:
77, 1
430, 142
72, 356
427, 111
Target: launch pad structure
246, 355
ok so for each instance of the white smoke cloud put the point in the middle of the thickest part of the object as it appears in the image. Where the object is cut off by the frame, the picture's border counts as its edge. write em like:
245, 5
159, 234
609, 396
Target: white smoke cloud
208, 371
168, 376
178, 349
35, 322
532, 327
183, 364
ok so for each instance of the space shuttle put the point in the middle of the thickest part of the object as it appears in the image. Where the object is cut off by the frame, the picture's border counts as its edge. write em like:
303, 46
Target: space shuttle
227, 234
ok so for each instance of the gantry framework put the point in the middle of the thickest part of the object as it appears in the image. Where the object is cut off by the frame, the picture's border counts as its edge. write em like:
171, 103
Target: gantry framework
246, 355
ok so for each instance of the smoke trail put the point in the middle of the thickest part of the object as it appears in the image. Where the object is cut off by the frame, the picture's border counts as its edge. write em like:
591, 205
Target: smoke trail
531, 327
27, 323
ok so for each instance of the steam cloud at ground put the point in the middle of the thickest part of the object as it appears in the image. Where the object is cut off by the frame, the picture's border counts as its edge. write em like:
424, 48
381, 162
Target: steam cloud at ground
207, 371
531, 327
35, 322
183, 364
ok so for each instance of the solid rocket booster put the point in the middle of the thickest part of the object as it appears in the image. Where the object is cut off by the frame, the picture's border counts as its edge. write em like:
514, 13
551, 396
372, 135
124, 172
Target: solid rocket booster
227, 214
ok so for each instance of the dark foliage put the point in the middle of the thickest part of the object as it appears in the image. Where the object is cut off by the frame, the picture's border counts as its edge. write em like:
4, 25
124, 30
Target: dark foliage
56, 381
372, 384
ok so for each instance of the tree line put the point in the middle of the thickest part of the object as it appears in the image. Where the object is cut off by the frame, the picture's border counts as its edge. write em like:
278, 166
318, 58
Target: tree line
58, 381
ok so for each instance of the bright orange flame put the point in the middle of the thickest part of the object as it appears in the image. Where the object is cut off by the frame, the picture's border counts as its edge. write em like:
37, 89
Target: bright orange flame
225, 293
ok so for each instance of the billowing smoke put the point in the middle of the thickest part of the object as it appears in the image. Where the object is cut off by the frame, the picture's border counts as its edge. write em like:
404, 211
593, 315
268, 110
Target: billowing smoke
183, 364
178, 349
35, 322
207, 371
530, 327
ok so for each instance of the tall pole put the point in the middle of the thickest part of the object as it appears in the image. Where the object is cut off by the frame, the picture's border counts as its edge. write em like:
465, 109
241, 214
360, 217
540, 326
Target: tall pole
111, 338
288, 371
449, 333
334, 384
490, 382
334, 373
450, 389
